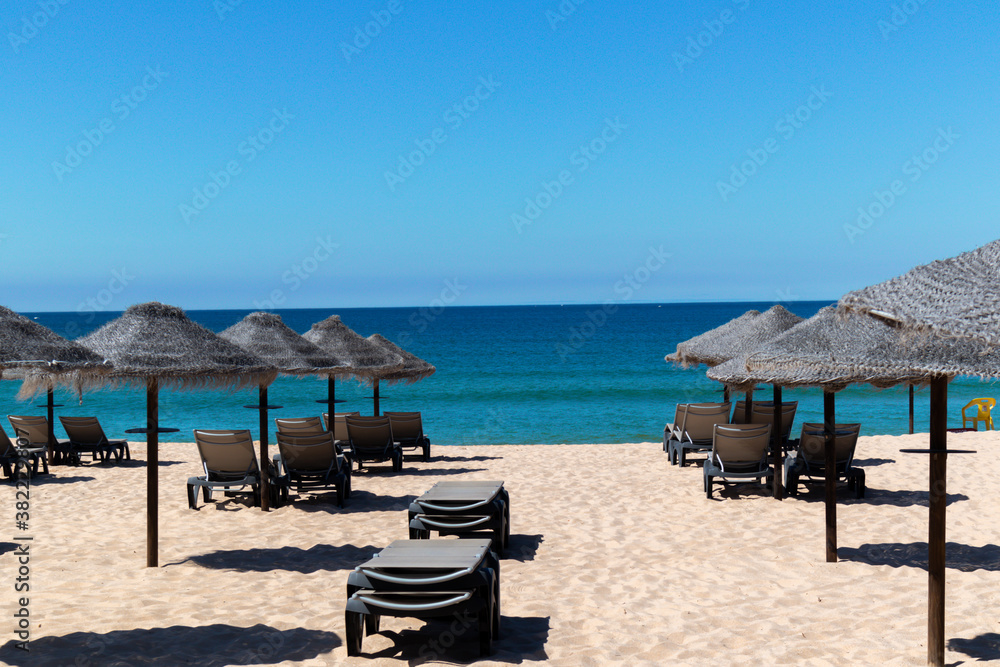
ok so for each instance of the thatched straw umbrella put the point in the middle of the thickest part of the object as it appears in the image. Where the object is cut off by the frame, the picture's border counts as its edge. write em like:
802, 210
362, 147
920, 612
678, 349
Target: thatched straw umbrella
265, 336
833, 350
734, 339
43, 358
366, 361
956, 297
414, 368
830, 352
155, 345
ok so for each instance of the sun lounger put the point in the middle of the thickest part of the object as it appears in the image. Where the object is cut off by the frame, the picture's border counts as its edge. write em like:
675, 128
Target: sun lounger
696, 429
230, 464
9, 456
371, 440
32, 435
87, 436
672, 431
810, 458
463, 508
408, 432
426, 579
300, 425
763, 413
312, 463
739, 451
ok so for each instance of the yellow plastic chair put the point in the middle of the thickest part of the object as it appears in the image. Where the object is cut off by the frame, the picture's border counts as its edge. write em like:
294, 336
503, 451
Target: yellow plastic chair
983, 407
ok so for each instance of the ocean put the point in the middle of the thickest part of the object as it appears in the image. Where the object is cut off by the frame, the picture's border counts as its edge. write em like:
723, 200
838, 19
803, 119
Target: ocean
505, 375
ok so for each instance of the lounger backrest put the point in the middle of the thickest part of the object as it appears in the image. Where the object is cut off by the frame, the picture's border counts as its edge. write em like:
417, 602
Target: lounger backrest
369, 434
673, 429
310, 453
300, 425
763, 413
6, 446
740, 443
406, 426
226, 452
339, 424
84, 430
35, 429
812, 444
701, 418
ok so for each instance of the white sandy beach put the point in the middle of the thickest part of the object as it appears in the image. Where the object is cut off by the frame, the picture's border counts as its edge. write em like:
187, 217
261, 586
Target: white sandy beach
616, 557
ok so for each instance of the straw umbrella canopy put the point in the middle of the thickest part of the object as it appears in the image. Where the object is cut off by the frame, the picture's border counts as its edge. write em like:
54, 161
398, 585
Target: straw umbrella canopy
956, 297
833, 350
267, 337
155, 345
413, 369
43, 358
714, 346
365, 360
736, 338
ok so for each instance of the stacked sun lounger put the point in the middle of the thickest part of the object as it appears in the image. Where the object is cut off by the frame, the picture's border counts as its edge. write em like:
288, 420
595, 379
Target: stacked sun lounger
426, 579
463, 508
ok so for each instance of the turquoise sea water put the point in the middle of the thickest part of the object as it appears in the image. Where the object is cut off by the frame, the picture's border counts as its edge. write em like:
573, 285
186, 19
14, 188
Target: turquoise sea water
510, 374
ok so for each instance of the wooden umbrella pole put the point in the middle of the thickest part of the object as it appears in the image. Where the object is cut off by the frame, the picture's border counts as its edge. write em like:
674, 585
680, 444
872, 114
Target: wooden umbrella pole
376, 398
725, 393
936, 528
778, 484
829, 424
331, 395
265, 504
911, 409
152, 471
52, 433
748, 407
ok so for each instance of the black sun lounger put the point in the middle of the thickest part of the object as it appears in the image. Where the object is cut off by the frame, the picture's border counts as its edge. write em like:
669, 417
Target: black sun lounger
426, 579
463, 508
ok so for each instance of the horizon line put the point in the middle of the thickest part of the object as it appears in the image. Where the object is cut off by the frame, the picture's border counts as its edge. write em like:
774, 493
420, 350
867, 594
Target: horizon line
484, 305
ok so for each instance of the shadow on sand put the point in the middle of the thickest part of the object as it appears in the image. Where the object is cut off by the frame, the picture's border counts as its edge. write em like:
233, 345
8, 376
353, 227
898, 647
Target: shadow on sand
814, 492
985, 647
464, 459
957, 556
523, 547
360, 501
455, 642
176, 645
324, 557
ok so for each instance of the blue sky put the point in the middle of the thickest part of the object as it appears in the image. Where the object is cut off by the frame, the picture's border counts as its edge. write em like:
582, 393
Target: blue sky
250, 155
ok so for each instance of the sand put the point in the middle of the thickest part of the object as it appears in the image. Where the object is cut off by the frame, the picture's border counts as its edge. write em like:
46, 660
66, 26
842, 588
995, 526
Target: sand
616, 557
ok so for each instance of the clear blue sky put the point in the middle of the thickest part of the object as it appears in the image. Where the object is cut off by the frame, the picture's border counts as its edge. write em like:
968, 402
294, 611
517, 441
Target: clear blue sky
233, 154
